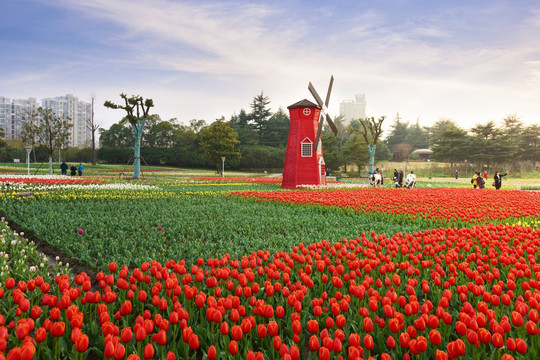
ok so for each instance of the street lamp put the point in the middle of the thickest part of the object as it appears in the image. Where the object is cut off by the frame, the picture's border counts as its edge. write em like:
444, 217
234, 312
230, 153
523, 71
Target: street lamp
223, 166
28, 150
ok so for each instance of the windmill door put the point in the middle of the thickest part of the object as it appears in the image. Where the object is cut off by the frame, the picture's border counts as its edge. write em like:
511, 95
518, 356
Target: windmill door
322, 171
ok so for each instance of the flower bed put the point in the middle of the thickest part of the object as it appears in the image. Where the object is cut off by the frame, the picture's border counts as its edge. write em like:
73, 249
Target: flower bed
437, 294
450, 204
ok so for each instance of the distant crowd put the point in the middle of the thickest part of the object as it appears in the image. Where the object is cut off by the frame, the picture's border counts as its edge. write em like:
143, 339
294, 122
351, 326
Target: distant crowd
74, 169
479, 182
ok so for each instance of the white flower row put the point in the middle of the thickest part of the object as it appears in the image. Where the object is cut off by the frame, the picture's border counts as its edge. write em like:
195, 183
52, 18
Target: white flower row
45, 187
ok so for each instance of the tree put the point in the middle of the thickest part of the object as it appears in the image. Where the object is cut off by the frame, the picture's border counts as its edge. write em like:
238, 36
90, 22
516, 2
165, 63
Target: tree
47, 129
93, 128
486, 131
259, 111
398, 133
160, 134
247, 135
218, 140
196, 125
417, 137
486, 144
511, 138
276, 130
118, 135
371, 130
451, 144
531, 143
137, 113
354, 151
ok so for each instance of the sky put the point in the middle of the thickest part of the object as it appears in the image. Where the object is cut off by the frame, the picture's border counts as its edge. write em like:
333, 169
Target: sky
468, 61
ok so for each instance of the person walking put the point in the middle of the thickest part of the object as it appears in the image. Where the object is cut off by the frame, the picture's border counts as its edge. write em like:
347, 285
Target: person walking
80, 169
497, 180
64, 167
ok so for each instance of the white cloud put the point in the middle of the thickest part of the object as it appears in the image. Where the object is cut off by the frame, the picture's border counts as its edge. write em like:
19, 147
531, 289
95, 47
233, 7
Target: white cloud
208, 59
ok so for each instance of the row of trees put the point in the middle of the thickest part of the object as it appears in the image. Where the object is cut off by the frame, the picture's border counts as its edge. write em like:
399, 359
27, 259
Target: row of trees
257, 140
485, 144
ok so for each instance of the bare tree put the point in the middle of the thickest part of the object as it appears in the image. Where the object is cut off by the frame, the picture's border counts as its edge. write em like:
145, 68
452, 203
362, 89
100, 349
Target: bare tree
47, 129
371, 130
137, 112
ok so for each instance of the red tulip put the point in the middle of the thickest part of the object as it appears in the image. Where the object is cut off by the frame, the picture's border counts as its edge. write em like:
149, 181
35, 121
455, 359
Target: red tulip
81, 343
212, 353
233, 347
521, 346
58, 329
314, 343
148, 352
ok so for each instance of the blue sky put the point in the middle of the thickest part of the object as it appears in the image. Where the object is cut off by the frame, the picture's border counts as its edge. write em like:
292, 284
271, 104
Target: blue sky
469, 61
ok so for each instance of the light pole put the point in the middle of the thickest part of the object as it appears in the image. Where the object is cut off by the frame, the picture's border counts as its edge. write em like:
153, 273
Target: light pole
223, 166
28, 150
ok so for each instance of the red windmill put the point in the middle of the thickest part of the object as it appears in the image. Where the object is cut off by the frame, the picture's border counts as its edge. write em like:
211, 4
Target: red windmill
304, 162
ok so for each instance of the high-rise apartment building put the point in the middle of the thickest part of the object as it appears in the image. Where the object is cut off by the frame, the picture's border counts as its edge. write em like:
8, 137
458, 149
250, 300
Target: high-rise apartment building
353, 109
80, 114
15, 113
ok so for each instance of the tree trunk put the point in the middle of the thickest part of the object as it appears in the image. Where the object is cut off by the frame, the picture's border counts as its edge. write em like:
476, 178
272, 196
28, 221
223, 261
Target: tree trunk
371, 151
137, 132
137, 156
94, 147
50, 165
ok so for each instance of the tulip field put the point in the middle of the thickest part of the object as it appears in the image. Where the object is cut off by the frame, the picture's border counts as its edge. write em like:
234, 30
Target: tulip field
210, 268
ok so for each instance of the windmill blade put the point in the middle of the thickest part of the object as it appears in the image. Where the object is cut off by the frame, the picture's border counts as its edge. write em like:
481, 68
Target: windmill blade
332, 125
329, 91
319, 131
315, 95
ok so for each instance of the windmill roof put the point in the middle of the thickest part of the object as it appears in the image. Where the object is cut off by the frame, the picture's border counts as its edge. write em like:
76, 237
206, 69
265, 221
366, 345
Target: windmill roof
303, 104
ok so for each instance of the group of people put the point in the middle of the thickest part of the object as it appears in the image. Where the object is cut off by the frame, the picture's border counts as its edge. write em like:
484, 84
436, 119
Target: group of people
410, 180
73, 169
479, 182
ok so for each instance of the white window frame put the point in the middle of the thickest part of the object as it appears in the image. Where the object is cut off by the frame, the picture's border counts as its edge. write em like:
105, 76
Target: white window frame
306, 148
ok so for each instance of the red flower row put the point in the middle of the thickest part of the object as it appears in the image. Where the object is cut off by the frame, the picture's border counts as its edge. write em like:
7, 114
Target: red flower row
390, 298
469, 205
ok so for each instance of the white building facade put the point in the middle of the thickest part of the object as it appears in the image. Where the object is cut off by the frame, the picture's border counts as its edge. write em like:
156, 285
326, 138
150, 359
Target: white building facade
80, 114
15, 113
353, 109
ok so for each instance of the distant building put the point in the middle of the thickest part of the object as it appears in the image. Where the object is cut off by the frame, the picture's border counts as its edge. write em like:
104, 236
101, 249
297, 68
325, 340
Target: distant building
80, 114
353, 109
15, 113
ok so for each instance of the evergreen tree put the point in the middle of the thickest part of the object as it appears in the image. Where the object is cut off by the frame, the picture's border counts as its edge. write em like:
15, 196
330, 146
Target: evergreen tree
260, 113
276, 130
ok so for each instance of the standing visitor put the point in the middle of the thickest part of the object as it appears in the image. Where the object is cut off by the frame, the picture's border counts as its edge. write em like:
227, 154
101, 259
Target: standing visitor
73, 170
498, 180
474, 180
396, 178
400, 178
486, 174
456, 174
64, 167
481, 182
80, 169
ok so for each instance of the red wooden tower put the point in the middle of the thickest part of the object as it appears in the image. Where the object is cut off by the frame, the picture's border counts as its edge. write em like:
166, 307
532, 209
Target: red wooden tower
304, 161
